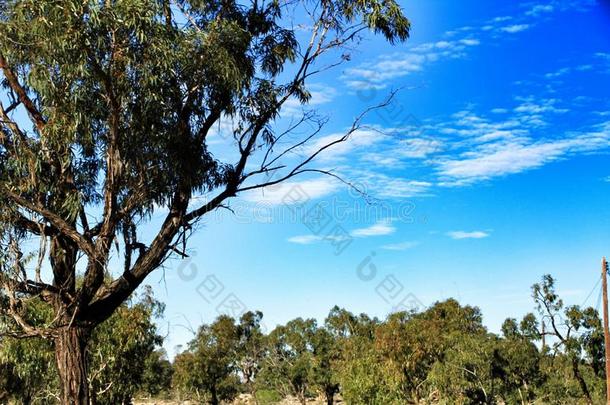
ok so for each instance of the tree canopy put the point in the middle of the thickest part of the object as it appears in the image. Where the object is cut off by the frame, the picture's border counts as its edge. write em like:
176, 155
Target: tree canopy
106, 112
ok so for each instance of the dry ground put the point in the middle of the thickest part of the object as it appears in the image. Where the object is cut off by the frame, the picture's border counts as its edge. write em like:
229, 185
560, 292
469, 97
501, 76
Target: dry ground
241, 400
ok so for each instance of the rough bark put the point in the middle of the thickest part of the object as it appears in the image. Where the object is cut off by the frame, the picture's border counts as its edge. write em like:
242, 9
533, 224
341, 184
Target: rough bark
70, 357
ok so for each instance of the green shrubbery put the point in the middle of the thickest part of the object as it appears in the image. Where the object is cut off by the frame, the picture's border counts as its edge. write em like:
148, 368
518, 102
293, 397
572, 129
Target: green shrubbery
442, 355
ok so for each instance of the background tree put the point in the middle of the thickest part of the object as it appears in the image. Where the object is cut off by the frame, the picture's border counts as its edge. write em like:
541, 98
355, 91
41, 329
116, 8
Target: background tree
575, 333
120, 348
289, 362
251, 348
121, 97
208, 369
325, 367
157, 375
521, 367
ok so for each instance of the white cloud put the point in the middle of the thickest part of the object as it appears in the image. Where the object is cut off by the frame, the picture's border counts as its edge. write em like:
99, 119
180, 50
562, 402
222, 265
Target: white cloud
558, 73
319, 95
379, 229
504, 158
540, 9
467, 235
418, 147
401, 188
481, 149
400, 246
310, 239
376, 75
531, 106
305, 239
359, 139
513, 29
293, 192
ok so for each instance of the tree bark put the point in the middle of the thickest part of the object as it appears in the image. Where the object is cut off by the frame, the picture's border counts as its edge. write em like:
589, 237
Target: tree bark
214, 398
581, 381
330, 398
70, 357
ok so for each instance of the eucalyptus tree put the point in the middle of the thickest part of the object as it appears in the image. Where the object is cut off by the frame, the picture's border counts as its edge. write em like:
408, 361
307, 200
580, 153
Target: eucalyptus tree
576, 334
108, 107
209, 368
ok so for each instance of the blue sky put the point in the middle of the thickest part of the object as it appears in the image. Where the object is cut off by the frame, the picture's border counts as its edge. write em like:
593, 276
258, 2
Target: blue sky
488, 170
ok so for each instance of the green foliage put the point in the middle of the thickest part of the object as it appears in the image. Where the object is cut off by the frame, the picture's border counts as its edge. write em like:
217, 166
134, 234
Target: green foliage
289, 365
27, 370
157, 375
117, 355
442, 355
120, 349
28, 365
208, 369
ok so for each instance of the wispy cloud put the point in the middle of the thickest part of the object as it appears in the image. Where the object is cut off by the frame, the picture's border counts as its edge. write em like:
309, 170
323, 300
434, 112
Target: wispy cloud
467, 235
376, 75
515, 155
305, 239
293, 192
311, 239
379, 229
400, 246
539, 9
359, 139
319, 95
513, 29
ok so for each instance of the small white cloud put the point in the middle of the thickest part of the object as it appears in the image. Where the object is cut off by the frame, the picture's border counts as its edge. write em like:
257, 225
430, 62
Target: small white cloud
558, 73
401, 188
467, 235
379, 229
513, 29
309, 239
305, 239
470, 42
499, 111
502, 19
540, 9
400, 246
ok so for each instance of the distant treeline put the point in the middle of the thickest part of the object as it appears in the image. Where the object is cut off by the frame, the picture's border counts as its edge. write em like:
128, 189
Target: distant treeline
442, 355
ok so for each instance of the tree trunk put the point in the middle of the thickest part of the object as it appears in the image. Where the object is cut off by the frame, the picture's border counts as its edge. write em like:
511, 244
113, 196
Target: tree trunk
214, 399
330, 398
70, 357
581, 381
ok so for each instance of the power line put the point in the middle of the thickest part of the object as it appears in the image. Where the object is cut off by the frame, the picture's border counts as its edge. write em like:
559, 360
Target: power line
589, 296
599, 300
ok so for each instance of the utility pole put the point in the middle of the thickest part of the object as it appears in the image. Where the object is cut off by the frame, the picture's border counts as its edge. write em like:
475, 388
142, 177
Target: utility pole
543, 336
606, 332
